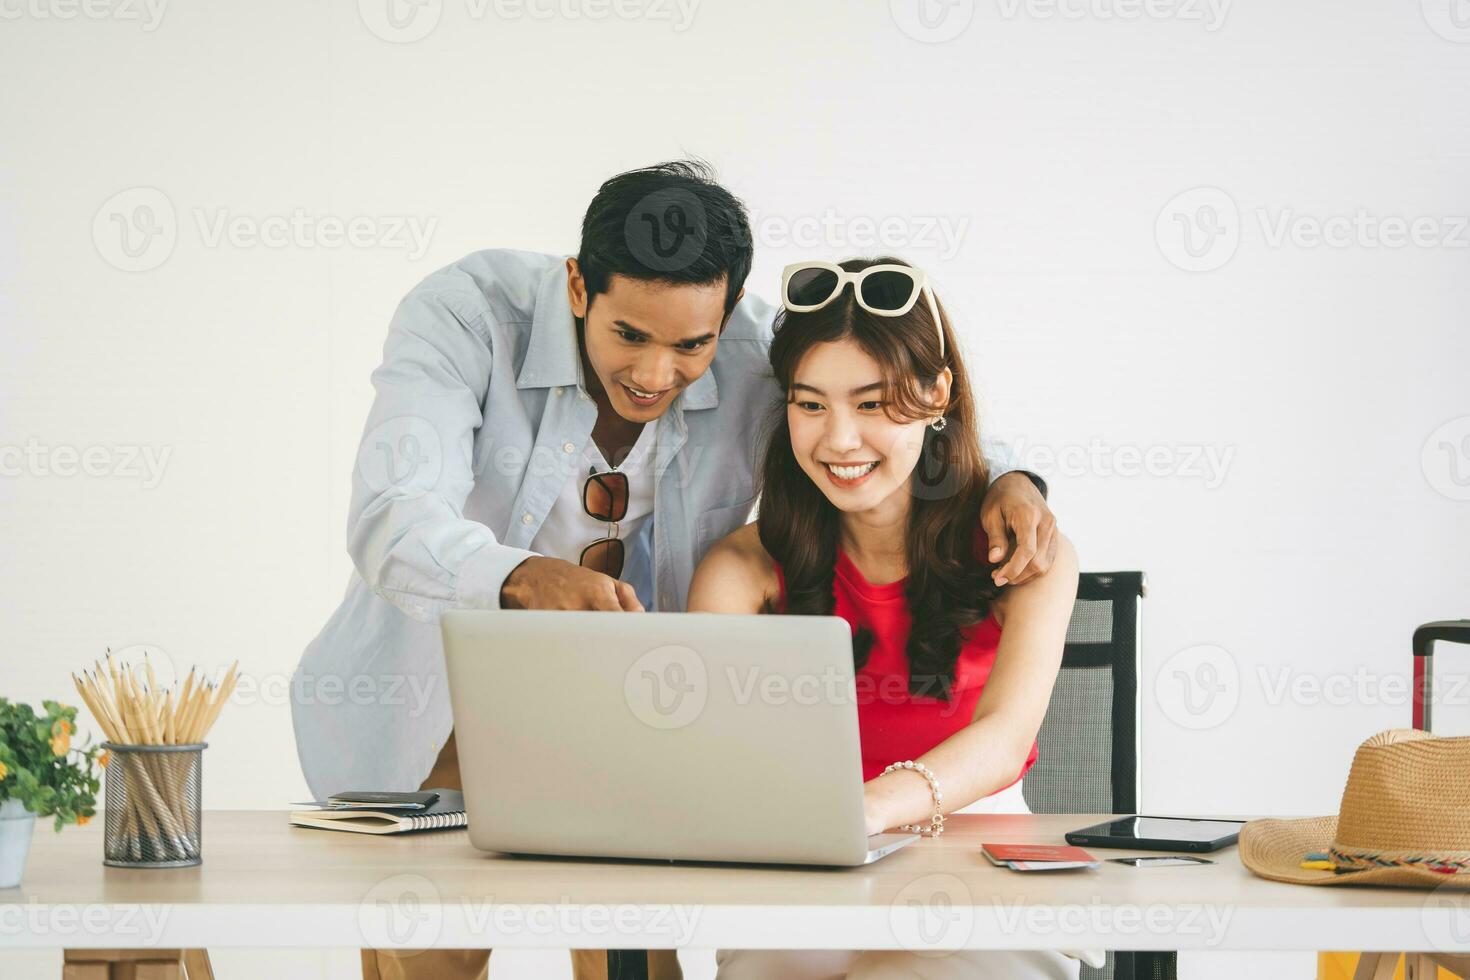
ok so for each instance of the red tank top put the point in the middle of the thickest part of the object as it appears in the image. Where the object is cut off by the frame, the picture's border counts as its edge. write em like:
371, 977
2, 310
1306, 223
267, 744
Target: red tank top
894, 725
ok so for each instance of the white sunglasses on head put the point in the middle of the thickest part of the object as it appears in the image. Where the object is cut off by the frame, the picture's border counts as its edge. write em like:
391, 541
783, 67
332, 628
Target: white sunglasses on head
883, 290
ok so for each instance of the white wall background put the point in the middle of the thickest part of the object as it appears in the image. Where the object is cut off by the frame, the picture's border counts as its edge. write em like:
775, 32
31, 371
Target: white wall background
1050, 140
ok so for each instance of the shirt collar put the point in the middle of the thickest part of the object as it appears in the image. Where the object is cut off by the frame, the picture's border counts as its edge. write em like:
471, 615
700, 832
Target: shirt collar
552, 359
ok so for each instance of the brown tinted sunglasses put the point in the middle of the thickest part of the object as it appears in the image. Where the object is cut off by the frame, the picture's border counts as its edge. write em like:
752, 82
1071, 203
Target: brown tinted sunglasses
605, 498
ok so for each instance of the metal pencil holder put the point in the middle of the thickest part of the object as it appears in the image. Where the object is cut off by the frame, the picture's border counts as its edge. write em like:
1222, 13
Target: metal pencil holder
151, 815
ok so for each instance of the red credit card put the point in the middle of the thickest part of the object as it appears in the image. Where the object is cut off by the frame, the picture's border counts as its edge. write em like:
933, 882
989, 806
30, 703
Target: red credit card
1036, 852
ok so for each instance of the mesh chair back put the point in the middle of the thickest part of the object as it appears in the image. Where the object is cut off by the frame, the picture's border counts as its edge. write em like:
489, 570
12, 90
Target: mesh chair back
1088, 742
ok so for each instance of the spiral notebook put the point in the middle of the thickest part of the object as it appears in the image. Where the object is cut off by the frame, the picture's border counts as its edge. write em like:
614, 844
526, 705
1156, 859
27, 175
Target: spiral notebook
447, 813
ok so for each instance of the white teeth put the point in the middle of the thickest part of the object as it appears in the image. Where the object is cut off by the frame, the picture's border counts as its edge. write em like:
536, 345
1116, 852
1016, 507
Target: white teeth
642, 394
851, 472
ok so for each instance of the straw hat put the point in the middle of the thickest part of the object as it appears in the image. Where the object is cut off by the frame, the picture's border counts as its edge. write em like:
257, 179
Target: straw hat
1404, 820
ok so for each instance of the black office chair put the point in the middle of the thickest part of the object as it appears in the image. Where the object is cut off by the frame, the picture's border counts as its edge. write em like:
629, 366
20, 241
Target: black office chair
1088, 742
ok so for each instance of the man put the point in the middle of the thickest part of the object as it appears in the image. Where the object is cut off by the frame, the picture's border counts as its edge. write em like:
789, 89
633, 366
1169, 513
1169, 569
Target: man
554, 433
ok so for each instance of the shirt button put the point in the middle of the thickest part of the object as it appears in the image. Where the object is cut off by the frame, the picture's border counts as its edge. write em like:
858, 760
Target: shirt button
556, 391
568, 447
526, 518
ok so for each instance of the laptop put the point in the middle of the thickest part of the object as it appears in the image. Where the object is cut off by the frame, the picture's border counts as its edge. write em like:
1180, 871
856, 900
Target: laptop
661, 736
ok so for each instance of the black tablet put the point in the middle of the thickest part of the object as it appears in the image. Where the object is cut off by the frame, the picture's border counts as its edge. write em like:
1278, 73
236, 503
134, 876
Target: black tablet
1159, 834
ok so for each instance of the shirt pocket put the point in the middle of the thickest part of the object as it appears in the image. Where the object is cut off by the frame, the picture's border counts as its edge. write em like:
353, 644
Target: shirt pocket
715, 524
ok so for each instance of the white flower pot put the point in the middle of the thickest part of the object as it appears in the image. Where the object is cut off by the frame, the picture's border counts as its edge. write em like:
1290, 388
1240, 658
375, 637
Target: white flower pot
16, 825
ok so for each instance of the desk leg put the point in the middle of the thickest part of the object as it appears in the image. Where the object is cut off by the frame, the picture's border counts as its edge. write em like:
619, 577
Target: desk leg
1456, 963
196, 965
1376, 966
1427, 966
627, 964
136, 964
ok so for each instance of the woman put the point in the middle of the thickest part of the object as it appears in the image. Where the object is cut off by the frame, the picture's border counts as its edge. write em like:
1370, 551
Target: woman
869, 510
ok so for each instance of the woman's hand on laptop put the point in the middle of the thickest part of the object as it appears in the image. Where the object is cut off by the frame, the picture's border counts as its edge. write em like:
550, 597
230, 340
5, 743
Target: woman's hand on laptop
1014, 510
550, 583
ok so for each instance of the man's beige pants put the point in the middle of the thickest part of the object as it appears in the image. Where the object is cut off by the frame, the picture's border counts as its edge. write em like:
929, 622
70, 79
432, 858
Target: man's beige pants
474, 964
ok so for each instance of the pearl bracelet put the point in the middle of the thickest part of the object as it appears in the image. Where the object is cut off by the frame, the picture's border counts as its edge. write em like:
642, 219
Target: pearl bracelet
936, 822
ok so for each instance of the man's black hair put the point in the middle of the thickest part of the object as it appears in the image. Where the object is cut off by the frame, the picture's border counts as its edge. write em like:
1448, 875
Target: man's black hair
668, 223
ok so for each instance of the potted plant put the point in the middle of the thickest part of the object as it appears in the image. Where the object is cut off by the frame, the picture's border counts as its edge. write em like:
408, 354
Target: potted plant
41, 775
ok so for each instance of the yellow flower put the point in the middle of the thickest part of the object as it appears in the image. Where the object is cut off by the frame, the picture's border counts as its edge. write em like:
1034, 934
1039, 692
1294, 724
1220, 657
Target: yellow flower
60, 744
3, 770
104, 758
82, 819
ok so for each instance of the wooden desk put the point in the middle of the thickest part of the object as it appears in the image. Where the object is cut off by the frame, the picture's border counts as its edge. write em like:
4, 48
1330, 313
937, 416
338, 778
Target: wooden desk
265, 883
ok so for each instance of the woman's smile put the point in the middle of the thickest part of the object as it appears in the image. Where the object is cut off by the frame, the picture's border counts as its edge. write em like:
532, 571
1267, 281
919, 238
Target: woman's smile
849, 475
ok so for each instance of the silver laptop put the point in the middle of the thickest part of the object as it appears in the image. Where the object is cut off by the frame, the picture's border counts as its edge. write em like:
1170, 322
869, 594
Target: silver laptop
668, 736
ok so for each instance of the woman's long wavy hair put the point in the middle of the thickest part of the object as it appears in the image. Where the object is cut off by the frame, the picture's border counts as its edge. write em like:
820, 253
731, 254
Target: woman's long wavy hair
949, 586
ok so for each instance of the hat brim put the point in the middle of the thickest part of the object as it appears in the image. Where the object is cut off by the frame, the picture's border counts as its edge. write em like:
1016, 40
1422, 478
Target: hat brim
1274, 849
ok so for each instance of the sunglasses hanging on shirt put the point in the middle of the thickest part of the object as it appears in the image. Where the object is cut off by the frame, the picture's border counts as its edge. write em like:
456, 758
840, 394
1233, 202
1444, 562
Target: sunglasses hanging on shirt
605, 498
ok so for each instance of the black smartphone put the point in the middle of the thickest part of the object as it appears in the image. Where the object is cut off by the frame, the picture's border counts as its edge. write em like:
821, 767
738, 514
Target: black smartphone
1160, 861
1142, 833
386, 801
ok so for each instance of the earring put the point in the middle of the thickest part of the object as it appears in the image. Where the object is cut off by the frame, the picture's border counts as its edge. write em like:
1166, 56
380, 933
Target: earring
939, 423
